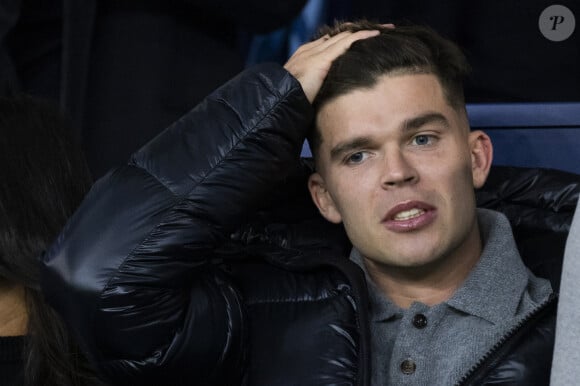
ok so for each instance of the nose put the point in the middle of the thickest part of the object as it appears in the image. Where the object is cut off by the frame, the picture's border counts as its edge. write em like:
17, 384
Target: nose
398, 170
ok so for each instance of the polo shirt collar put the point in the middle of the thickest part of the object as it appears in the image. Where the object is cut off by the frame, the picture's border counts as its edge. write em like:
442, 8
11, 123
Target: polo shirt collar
492, 290
495, 286
382, 309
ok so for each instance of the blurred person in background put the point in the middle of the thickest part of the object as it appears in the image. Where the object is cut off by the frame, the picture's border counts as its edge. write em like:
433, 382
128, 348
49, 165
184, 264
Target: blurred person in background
43, 178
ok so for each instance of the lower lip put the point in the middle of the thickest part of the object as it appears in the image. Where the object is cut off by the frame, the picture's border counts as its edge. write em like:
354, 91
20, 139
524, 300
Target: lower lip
411, 224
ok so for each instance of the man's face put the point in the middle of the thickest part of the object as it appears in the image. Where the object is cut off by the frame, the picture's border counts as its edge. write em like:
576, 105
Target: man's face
398, 165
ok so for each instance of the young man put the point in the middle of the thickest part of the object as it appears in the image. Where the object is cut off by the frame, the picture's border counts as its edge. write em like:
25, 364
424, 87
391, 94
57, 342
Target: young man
434, 291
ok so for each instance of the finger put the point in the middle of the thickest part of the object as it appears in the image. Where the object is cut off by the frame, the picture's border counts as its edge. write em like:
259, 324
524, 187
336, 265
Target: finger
326, 49
313, 44
315, 47
338, 44
346, 37
322, 43
310, 64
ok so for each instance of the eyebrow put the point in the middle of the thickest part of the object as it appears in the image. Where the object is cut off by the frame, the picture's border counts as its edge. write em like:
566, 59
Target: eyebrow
408, 125
344, 147
423, 119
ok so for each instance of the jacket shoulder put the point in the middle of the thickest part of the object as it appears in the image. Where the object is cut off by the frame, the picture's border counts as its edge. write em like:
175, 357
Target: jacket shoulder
540, 204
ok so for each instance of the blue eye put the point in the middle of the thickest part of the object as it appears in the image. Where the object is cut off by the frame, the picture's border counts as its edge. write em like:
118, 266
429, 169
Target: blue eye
357, 157
422, 140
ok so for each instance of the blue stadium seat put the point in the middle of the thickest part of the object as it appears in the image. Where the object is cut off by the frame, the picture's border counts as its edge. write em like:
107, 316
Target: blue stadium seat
543, 135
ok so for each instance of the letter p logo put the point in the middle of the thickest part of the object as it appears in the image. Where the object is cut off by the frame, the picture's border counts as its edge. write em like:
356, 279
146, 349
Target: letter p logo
557, 23
557, 20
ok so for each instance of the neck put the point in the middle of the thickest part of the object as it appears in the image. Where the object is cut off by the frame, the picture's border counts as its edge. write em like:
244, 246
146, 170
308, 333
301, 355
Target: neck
13, 314
429, 284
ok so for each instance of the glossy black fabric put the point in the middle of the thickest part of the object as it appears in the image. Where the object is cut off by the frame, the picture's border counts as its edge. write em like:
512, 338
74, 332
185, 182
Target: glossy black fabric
152, 299
540, 205
203, 261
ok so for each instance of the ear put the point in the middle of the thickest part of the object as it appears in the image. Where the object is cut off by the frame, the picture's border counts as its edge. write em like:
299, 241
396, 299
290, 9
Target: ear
481, 156
322, 199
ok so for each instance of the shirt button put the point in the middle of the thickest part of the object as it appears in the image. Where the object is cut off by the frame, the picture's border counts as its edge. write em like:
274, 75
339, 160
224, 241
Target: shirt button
420, 321
408, 366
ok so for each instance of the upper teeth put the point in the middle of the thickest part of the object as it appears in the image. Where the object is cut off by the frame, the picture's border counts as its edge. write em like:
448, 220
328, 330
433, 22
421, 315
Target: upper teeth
407, 214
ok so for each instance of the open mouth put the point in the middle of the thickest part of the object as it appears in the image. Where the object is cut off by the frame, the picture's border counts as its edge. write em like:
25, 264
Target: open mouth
408, 214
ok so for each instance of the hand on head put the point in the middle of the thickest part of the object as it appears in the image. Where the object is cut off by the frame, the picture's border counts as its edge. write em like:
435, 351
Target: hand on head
311, 61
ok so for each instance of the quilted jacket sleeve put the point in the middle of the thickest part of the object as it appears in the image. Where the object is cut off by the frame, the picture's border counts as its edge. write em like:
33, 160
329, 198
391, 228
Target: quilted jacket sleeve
131, 273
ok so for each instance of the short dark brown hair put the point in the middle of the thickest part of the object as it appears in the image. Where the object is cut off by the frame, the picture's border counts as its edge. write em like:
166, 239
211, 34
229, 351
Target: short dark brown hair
400, 50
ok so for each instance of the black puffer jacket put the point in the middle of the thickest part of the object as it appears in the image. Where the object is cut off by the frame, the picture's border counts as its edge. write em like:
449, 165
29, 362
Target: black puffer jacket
203, 261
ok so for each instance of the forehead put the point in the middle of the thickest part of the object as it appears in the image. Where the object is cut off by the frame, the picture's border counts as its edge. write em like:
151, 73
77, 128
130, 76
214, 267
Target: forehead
393, 100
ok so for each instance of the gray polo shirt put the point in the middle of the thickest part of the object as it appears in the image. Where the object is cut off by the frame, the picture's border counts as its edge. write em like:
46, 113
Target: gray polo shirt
437, 345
